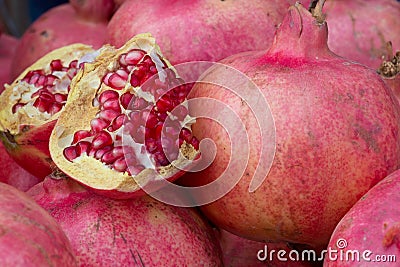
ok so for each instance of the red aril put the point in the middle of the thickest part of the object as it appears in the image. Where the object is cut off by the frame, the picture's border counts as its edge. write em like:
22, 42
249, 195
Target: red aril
337, 133
125, 93
200, 30
370, 231
139, 232
58, 27
30, 106
29, 236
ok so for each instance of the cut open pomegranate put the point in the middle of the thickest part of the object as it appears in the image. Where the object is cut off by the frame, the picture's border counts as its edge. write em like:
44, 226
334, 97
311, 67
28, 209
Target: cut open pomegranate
126, 122
30, 106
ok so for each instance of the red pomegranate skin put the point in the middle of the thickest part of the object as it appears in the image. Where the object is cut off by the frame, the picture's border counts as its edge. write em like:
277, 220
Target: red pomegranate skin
30, 150
360, 29
29, 236
337, 132
241, 252
142, 232
7, 49
199, 30
55, 28
394, 84
94, 10
373, 224
13, 174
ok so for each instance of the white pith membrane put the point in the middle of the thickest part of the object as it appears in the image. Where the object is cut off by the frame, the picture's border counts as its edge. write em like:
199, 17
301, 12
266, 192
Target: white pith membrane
83, 122
39, 93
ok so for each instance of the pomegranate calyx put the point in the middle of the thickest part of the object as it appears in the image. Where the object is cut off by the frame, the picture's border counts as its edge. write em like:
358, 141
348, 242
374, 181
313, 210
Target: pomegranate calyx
316, 10
390, 68
301, 35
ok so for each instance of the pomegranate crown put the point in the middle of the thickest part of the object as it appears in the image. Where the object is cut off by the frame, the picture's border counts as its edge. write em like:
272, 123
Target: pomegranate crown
302, 33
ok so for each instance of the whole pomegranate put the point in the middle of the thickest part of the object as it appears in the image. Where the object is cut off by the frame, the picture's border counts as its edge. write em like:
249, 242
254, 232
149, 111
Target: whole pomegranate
58, 27
125, 124
30, 106
7, 49
336, 128
13, 174
370, 230
140, 232
29, 236
200, 30
360, 29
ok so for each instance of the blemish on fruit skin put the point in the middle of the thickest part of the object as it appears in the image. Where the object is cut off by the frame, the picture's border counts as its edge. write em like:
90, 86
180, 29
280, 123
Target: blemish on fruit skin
392, 235
44, 33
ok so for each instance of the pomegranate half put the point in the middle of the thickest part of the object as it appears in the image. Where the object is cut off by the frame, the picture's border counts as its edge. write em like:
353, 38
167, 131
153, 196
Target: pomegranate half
337, 133
132, 94
30, 106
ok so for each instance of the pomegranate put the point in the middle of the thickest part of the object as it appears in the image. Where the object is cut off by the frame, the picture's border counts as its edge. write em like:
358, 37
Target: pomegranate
241, 252
370, 231
94, 10
29, 236
7, 49
30, 106
336, 129
118, 3
200, 30
140, 232
58, 27
389, 71
360, 29
11, 173
125, 93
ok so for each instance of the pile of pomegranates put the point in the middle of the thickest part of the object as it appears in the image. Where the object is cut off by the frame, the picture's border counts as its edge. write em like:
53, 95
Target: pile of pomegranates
202, 133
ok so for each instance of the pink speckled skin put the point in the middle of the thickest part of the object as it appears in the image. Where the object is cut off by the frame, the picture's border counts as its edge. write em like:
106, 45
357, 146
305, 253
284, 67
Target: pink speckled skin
94, 10
394, 84
360, 29
55, 28
29, 236
7, 49
241, 252
196, 30
337, 135
139, 232
373, 223
13, 174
